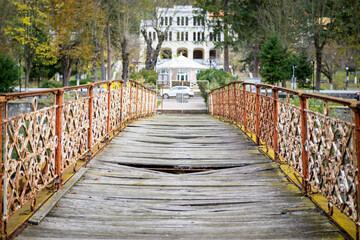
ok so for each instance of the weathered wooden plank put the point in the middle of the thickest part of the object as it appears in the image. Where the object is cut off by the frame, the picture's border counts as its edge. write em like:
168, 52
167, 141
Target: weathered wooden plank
251, 200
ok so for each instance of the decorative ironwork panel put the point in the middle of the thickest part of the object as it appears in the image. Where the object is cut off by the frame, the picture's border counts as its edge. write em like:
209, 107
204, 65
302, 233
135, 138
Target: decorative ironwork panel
251, 111
289, 132
134, 94
266, 120
125, 104
29, 156
226, 102
240, 105
99, 124
232, 103
115, 109
332, 161
75, 131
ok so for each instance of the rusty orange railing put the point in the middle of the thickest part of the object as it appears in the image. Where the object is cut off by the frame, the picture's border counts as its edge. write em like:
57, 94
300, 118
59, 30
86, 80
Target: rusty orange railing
39, 145
324, 150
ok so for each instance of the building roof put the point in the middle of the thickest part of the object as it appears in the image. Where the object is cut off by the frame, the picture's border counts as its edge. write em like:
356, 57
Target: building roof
181, 62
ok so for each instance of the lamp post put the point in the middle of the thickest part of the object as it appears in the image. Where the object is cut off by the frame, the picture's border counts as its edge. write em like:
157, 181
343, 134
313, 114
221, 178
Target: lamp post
19, 75
293, 78
347, 77
313, 75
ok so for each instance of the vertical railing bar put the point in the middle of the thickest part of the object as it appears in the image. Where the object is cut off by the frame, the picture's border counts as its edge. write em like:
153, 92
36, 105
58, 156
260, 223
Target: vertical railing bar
235, 104
121, 106
305, 157
257, 123
244, 104
109, 110
130, 102
275, 139
91, 113
58, 132
136, 101
2, 196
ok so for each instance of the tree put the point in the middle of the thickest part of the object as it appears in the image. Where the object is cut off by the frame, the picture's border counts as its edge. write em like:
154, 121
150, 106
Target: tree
7, 11
303, 68
274, 61
71, 20
9, 73
29, 31
332, 60
318, 18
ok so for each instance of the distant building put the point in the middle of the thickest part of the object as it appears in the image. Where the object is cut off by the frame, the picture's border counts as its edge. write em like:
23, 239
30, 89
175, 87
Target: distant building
187, 35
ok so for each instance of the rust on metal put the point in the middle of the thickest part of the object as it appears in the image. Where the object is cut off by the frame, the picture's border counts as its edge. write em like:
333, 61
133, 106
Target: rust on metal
304, 155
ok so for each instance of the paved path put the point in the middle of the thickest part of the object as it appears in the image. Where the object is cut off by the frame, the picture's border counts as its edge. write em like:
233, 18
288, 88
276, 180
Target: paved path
245, 197
194, 105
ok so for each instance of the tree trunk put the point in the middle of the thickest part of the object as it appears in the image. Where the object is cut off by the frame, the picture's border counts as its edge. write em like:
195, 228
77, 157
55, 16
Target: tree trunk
151, 53
226, 45
109, 52
256, 61
102, 60
29, 59
318, 54
95, 65
125, 59
66, 65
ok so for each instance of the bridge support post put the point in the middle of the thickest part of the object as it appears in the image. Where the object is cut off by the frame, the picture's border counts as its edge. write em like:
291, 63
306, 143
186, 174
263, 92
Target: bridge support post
121, 106
58, 131
305, 157
235, 105
275, 139
90, 114
109, 110
244, 105
257, 124
356, 112
136, 103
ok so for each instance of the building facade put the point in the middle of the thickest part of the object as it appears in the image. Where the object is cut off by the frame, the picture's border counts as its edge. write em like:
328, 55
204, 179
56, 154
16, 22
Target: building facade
186, 35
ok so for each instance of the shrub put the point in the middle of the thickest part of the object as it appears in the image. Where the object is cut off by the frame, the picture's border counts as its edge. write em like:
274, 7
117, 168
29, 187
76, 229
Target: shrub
9, 73
51, 84
81, 82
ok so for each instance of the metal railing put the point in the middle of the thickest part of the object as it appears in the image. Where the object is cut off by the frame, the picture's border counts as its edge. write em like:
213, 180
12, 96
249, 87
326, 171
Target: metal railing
323, 149
71, 123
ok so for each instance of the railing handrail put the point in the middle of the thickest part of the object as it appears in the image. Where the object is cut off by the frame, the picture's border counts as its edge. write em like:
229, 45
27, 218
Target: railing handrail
331, 149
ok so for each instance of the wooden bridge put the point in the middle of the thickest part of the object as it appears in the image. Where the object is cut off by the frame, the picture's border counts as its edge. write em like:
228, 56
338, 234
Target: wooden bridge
180, 176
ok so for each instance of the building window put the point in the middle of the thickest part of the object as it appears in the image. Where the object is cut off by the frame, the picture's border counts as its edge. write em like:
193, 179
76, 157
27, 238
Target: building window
219, 37
170, 21
194, 21
150, 35
203, 36
198, 36
154, 36
182, 21
213, 54
194, 36
182, 52
198, 54
182, 36
186, 36
183, 75
199, 22
163, 78
166, 36
178, 36
170, 36
166, 20
166, 54
211, 37
187, 21
178, 21
161, 21
214, 35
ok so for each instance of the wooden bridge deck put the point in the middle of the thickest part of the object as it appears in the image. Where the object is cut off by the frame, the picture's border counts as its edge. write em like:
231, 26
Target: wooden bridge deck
245, 197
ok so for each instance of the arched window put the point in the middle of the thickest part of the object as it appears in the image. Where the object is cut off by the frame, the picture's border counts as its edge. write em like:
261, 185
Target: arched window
182, 36
198, 54
166, 20
182, 21
170, 21
170, 36
211, 37
186, 36
203, 36
183, 52
198, 38
194, 21
166, 54
161, 21
178, 36
178, 21
194, 36
187, 21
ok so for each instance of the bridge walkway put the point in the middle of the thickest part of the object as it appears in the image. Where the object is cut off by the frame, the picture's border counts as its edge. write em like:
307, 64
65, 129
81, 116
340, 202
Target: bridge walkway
182, 177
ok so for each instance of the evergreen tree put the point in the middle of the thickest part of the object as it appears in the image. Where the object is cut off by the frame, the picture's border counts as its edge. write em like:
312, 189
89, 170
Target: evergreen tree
274, 61
9, 73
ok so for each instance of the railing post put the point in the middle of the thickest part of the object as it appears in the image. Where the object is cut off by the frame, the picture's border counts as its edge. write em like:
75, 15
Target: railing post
2, 191
244, 104
121, 106
91, 113
275, 139
305, 159
356, 111
142, 102
130, 102
136, 101
235, 104
109, 110
228, 108
58, 132
257, 123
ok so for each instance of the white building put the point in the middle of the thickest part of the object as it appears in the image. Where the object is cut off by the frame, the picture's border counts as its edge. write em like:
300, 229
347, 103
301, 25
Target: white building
187, 35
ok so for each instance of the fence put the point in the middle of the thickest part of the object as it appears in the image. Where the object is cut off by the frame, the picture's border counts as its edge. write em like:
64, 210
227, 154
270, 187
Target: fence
40, 145
324, 150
